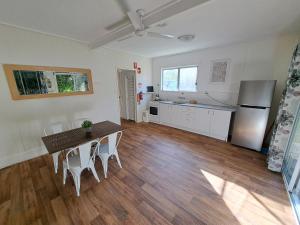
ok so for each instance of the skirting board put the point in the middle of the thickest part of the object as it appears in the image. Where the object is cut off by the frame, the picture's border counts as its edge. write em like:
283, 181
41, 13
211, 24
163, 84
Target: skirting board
20, 157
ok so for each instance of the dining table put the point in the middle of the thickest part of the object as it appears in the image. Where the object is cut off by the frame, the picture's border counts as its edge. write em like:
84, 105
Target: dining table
58, 142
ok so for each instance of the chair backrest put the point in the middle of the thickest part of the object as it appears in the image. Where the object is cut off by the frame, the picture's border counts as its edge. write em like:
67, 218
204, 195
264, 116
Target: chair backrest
54, 128
85, 154
77, 123
113, 141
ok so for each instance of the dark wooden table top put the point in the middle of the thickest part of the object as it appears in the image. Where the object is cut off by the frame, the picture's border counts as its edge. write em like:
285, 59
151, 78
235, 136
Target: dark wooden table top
72, 138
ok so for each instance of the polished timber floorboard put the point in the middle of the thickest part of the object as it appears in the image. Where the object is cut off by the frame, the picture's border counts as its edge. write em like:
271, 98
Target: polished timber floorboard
169, 177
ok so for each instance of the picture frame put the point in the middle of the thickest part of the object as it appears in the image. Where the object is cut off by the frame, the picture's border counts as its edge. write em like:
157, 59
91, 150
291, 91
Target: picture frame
33, 82
219, 70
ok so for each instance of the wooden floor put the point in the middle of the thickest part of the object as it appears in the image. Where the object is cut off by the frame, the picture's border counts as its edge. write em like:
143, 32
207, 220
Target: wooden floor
168, 177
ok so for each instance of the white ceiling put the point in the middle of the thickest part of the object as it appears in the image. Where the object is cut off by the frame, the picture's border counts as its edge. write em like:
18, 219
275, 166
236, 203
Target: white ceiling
217, 22
83, 20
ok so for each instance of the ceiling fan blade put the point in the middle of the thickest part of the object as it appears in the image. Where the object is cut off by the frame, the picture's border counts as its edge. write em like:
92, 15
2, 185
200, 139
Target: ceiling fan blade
133, 16
135, 20
123, 5
158, 35
112, 36
125, 38
118, 24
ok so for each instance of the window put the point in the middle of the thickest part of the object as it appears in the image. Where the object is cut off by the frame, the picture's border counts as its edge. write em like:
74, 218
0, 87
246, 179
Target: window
180, 79
170, 80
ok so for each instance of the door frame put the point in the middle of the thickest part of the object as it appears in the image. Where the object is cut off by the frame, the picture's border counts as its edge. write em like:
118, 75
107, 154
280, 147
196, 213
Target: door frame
290, 186
296, 173
119, 71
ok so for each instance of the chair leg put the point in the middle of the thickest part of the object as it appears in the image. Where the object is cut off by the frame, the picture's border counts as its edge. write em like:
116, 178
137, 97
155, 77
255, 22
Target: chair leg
118, 159
76, 178
92, 168
65, 175
105, 166
55, 161
78, 184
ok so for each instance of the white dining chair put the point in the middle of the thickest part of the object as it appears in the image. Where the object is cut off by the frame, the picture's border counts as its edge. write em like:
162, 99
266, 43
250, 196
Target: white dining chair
106, 150
77, 123
55, 128
77, 163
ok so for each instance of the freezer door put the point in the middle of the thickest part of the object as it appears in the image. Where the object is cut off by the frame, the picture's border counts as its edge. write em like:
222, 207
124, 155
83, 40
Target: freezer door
256, 93
249, 127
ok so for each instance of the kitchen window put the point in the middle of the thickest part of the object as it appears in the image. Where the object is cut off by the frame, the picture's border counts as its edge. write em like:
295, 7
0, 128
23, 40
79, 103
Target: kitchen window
179, 79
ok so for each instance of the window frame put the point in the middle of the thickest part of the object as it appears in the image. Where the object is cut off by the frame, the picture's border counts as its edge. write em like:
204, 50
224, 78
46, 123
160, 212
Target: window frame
178, 78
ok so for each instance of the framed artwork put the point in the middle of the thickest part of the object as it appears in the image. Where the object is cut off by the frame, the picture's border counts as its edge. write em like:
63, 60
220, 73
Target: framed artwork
219, 70
28, 82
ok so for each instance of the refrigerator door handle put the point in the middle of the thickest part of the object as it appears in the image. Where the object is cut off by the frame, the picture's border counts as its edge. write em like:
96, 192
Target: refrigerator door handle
253, 107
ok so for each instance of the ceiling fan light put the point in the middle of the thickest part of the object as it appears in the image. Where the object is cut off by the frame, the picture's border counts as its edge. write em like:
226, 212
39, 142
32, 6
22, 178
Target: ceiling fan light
186, 37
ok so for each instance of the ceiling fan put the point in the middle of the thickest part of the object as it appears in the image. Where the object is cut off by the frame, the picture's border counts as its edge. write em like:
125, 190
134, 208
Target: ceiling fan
136, 19
138, 23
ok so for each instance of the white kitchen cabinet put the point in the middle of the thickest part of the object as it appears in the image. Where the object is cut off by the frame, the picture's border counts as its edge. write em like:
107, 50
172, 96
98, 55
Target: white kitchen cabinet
164, 113
185, 117
210, 122
219, 124
170, 115
202, 121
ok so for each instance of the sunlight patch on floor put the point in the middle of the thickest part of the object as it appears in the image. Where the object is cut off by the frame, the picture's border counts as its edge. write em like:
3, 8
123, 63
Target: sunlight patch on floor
216, 182
241, 201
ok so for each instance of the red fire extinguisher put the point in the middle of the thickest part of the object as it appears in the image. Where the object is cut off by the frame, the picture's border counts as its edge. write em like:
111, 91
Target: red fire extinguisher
139, 97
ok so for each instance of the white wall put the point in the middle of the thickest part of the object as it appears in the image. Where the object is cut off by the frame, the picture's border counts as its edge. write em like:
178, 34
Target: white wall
22, 122
266, 58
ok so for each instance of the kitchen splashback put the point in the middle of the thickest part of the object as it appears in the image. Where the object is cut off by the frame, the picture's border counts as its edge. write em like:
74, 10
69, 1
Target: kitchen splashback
226, 97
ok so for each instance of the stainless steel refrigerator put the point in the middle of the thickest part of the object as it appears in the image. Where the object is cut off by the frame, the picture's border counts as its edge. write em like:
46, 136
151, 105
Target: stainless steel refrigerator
254, 102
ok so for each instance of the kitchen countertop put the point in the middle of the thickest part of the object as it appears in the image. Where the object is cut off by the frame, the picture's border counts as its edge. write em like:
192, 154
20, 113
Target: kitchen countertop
206, 106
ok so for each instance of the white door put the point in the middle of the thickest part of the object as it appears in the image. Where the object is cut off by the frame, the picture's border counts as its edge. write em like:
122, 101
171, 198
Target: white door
126, 83
202, 121
130, 87
219, 124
